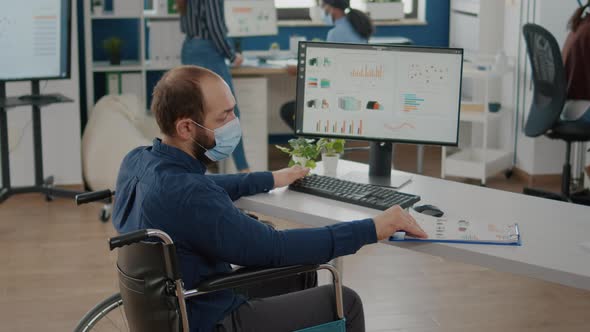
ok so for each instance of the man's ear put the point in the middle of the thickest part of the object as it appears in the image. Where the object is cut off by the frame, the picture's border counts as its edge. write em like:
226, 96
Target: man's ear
184, 129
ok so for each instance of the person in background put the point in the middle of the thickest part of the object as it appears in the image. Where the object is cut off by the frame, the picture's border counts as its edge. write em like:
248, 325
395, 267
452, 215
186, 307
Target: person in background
350, 26
206, 45
576, 57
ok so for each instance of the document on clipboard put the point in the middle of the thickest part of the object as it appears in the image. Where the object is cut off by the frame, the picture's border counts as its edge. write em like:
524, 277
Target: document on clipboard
455, 230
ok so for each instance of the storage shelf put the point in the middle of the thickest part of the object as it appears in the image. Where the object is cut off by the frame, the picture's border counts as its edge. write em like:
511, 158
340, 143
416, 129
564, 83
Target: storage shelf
126, 65
478, 117
159, 66
474, 162
114, 17
470, 71
162, 16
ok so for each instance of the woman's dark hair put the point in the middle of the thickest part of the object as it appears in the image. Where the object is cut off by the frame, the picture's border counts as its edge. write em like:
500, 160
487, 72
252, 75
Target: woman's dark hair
578, 17
359, 20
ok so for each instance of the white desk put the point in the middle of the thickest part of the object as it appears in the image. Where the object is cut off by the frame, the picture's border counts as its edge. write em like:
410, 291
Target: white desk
552, 232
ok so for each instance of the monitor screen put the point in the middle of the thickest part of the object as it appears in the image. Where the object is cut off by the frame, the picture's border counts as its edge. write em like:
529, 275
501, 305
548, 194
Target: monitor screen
250, 18
35, 40
379, 92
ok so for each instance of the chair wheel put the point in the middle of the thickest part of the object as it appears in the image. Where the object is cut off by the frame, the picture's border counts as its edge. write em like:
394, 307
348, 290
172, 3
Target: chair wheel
105, 215
48, 198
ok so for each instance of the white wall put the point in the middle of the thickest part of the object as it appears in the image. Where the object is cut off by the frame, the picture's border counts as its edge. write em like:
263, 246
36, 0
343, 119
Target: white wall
60, 125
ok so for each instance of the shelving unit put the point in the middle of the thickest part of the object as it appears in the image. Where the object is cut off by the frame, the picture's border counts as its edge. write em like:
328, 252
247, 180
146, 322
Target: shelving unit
471, 161
126, 65
251, 92
95, 67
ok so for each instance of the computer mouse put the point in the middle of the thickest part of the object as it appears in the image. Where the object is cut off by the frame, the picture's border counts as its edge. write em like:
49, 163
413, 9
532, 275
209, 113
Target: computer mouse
430, 210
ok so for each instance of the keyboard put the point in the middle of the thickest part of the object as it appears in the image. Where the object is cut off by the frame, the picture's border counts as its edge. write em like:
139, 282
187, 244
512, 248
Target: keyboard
368, 195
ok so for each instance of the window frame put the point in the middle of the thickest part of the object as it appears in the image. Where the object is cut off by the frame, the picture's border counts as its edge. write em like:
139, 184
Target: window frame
411, 15
414, 12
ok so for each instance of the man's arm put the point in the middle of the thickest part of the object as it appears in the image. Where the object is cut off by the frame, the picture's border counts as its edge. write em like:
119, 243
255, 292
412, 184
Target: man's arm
238, 185
220, 230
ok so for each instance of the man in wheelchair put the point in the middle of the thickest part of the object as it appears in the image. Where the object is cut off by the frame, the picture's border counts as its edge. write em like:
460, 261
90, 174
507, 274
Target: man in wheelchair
164, 186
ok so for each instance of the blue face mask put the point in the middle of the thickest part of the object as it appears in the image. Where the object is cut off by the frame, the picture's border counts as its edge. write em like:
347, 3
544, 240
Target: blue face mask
227, 137
327, 18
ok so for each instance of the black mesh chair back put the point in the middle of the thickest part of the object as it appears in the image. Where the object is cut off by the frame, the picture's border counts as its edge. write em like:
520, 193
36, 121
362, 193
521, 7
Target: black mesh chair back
549, 80
146, 282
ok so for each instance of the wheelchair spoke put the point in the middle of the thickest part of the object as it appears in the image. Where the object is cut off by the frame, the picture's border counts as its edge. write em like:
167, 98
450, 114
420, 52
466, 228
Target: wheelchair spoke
113, 323
123, 318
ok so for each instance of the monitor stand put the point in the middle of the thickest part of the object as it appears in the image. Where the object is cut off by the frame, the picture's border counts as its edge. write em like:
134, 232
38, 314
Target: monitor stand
380, 170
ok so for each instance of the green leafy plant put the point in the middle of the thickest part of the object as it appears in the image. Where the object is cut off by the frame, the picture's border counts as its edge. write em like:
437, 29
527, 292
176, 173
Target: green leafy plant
331, 146
301, 148
113, 46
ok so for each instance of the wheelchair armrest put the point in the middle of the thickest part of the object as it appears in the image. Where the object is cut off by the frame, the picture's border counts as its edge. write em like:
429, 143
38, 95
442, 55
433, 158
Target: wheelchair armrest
245, 276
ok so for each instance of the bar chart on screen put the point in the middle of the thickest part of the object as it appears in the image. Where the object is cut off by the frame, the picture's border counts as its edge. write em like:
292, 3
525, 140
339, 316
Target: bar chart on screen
340, 127
411, 102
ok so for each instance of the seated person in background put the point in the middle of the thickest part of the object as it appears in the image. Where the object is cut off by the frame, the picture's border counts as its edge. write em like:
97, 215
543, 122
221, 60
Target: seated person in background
576, 57
164, 186
350, 26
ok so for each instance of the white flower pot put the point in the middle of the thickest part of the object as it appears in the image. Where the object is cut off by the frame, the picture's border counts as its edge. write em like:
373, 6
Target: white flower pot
330, 163
97, 10
300, 160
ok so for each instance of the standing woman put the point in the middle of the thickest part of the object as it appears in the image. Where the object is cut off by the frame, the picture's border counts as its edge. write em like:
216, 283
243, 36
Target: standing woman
206, 45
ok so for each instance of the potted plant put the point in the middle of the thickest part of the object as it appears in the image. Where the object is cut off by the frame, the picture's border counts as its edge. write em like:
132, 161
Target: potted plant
302, 151
331, 149
97, 7
113, 47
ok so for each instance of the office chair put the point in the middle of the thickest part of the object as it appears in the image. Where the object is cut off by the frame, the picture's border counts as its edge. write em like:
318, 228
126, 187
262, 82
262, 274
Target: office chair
549, 98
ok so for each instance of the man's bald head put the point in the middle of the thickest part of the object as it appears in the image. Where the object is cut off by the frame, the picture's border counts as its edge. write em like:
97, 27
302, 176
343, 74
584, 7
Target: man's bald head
186, 92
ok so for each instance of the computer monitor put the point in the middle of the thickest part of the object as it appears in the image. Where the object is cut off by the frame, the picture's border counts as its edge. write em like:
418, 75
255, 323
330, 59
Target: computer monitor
35, 40
379, 93
250, 18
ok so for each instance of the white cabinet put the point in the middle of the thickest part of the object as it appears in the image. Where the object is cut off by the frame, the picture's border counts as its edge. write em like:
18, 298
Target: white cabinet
477, 26
472, 161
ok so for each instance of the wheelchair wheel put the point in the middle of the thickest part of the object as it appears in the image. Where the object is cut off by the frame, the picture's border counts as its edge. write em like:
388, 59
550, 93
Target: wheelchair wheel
108, 315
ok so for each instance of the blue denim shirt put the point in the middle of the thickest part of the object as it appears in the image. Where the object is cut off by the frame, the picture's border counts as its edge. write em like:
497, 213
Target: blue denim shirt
163, 187
343, 32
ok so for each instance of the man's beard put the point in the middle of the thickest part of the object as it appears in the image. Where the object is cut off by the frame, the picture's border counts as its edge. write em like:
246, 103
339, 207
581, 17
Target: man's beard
199, 151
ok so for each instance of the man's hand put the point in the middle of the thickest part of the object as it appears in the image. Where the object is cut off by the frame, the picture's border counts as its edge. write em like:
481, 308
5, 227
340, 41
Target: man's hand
396, 219
238, 60
286, 176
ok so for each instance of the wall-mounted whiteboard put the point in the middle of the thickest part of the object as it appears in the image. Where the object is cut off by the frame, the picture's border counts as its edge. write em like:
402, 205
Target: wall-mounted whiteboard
250, 18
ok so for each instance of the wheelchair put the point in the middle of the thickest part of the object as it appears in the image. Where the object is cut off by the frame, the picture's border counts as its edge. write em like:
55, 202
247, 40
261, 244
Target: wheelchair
152, 295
